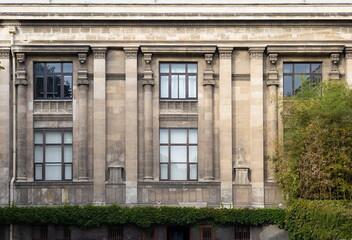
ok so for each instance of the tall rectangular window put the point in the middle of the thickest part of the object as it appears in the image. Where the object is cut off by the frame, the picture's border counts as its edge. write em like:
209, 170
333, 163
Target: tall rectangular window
53, 154
178, 154
297, 73
178, 80
52, 80
40, 232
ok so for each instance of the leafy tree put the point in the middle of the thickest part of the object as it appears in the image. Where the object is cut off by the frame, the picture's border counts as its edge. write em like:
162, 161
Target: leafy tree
314, 159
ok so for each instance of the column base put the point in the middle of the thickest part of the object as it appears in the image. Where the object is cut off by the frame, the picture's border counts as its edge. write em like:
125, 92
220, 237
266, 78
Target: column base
83, 179
209, 178
148, 178
21, 179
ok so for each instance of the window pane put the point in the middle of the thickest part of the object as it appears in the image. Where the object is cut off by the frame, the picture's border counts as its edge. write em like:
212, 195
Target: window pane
288, 68
57, 86
192, 68
192, 86
38, 137
193, 171
182, 86
67, 67
164, 68
178, 171
68, 154
178, 135
193, 138
174, 86
53, 172
39, 87
53, 137
39, 67
38, 154
301, 68
67, 86
68, 137
193, 155
316, 68
53, 154
38, 172
164, 154
178, 68
178, 154
287, 86
50, 86
298, 83
164, 87
164, 136
53, 67
163, 171
68, 171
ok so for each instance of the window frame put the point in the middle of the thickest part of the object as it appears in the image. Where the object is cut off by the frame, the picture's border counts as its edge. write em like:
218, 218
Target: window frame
169, 163
203, 227
293, 74
186, 74
45, 80
62, 145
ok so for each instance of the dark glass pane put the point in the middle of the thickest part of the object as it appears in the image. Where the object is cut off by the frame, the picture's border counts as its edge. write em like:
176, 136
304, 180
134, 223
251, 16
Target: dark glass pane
288, 86
301, 68
67, 67
67, 86
50, 86
39, 68
298, 84
57, 86
316, 68
288, 68
39, 87
53, 67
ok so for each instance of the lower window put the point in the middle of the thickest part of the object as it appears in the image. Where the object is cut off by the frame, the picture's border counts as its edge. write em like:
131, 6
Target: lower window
242, 232
178, 154
53, 154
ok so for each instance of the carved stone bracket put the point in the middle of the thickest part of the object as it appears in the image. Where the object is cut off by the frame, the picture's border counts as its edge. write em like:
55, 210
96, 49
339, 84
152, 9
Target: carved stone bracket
82, 72
348, 53
209, 73
148, 78
335, 73
21, 73
82, 57
273, 78
116, 173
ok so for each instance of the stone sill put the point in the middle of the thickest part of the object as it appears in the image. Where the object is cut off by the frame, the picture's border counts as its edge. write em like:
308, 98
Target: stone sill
53, 183
178, 184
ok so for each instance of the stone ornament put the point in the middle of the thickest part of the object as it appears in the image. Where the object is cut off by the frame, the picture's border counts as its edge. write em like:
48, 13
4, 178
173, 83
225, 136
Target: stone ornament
273, 77
4, 54
131, 54
82, 57
148, 78
21, 57
209, 73
99, 55
335, 73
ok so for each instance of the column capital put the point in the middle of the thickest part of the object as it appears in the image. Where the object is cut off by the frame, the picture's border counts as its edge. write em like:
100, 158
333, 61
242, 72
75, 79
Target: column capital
225, 52
131, 52
256, 52
4, 53
348, 52
99, 52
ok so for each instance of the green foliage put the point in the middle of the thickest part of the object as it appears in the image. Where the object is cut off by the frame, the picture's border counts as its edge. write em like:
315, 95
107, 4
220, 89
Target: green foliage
95, 216
314, 159
319, 220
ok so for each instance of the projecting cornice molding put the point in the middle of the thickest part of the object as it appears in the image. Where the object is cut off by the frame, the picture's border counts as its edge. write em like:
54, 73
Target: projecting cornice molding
67, 49
178, 49
306, 49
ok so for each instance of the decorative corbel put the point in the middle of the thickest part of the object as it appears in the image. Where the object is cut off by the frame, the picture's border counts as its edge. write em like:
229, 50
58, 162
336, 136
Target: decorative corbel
148, 78
82, 72
335, 73
21, 73
209, 73
273, 78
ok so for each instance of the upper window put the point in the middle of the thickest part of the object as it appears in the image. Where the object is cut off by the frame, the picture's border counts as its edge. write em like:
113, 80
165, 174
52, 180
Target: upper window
53, 154
52, 80
178, 80
297, 73
178, 154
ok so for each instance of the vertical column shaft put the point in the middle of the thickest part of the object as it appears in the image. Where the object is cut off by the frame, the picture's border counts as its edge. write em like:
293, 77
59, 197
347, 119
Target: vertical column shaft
131, 143
99, 124
5, 131
256, 126
348, 68
148, 132
21, 118
225, 85
83, 86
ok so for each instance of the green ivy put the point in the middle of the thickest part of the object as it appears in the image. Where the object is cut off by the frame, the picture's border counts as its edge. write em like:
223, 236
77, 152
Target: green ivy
319, 220
96, 216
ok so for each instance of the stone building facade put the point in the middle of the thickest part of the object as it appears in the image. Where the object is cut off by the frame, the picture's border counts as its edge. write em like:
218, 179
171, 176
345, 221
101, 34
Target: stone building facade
156, 103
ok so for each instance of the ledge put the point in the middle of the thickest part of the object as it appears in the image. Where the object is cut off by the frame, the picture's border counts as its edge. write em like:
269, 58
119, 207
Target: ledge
52, 183
65, 49
306, 49
178, 49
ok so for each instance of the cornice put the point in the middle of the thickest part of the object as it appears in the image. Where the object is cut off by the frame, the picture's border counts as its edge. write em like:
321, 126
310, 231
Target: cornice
178, 49
51, 49
306, 49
